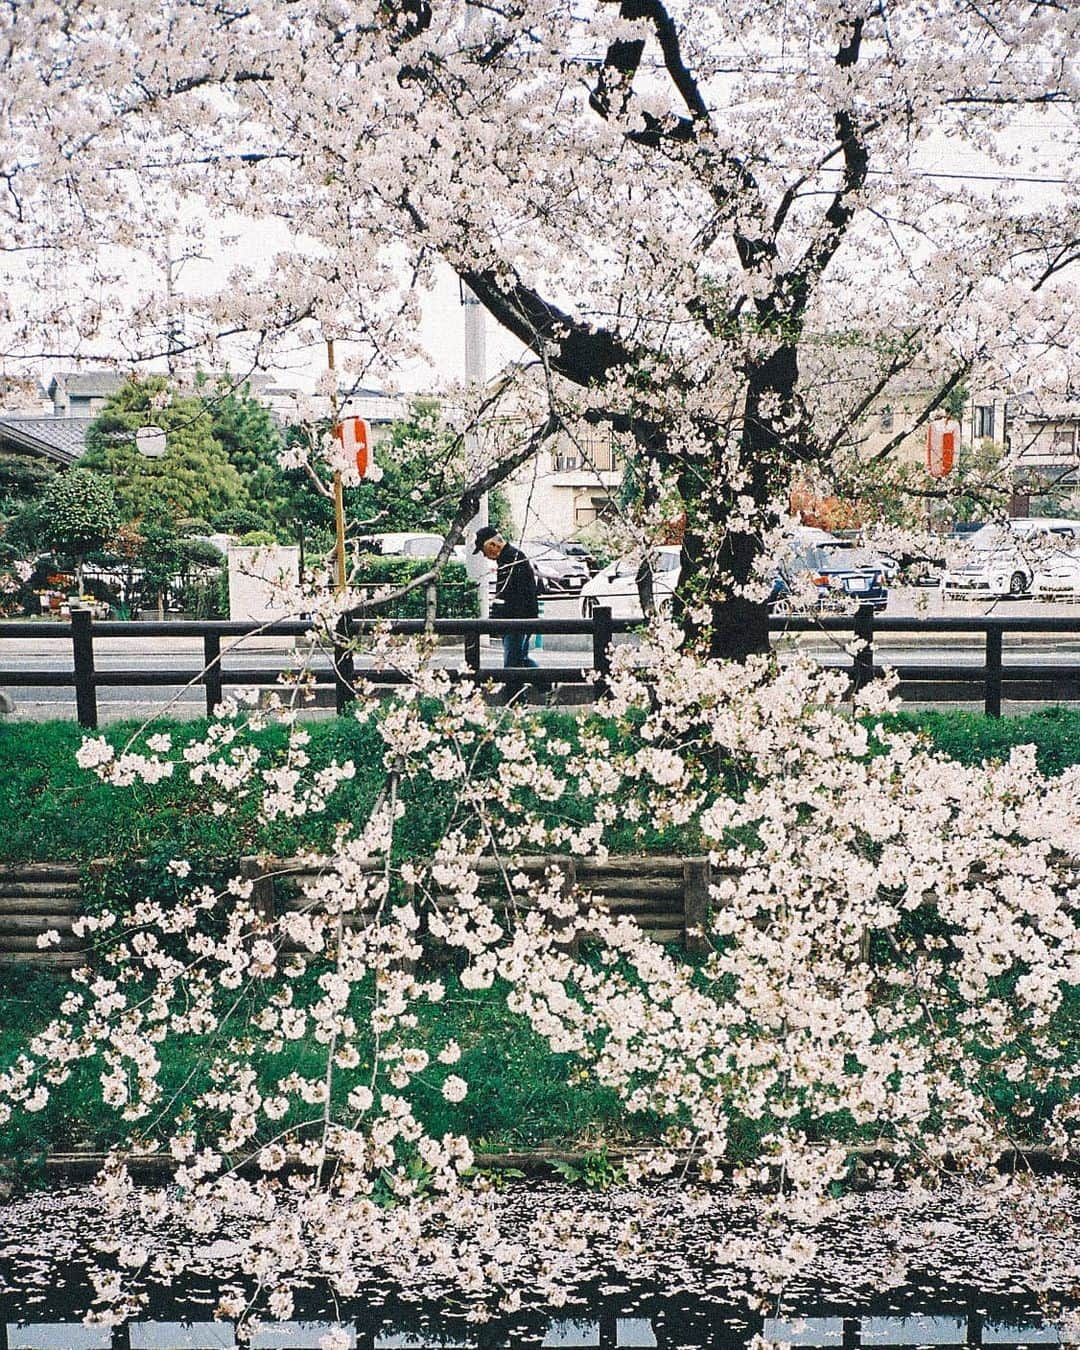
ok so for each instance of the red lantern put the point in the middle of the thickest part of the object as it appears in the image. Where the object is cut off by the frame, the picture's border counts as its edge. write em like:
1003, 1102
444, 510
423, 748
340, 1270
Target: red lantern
354, 434
942, 438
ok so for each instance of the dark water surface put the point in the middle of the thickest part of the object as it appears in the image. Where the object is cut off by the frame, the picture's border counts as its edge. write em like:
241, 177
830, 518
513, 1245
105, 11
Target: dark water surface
891, 1270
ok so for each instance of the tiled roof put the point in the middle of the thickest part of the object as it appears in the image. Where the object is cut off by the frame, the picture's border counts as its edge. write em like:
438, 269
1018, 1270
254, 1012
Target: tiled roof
59, 438
95, 383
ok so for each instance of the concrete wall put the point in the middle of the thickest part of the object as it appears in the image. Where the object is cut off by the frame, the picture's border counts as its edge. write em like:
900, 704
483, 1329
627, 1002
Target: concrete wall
255, 576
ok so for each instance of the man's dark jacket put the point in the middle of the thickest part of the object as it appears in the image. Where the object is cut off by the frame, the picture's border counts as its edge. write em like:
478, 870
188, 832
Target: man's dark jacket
515, 586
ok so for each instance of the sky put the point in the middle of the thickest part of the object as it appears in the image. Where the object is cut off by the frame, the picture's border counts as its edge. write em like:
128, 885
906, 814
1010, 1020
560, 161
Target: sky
1045, 144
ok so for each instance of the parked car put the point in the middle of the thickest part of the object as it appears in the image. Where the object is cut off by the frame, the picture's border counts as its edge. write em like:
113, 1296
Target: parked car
1001, 560
556, 571
407, 544
838, 576
837, 572
1058, 578
847, 545
570, 547
616, 585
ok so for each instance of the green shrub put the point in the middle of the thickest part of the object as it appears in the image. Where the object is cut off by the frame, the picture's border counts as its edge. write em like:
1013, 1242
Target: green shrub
238, 520
971, 738
207, 597
456, 591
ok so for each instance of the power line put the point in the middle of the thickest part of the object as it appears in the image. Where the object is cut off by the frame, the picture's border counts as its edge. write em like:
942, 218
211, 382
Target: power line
971, 177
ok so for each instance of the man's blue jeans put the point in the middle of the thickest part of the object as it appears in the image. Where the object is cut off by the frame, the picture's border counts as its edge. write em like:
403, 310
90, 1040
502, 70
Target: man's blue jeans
516, 650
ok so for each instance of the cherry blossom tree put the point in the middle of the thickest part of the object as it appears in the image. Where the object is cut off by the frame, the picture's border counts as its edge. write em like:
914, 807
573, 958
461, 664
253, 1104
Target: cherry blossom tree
721, 232
889, 970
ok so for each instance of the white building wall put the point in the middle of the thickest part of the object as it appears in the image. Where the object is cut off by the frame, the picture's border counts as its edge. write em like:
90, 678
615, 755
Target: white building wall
257, 576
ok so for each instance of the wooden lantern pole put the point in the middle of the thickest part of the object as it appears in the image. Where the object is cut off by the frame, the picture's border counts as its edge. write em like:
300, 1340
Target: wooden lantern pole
339, 496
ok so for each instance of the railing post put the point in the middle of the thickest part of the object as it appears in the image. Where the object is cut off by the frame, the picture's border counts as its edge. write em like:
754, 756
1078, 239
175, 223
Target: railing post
472, 651
344, 668
862, 669
82, 650
697, 878
992, 690
601, 646
212, 671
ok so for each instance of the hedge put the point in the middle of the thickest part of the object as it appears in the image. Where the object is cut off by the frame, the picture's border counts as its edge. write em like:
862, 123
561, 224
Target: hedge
455, 590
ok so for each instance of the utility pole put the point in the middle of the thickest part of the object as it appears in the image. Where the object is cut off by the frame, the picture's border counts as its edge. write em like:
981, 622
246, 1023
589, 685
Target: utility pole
339, 496
172, 331
475, 374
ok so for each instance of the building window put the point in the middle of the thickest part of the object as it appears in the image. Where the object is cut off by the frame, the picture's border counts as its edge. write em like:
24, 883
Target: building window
589, 509
592, 453
984, 423
1064, 442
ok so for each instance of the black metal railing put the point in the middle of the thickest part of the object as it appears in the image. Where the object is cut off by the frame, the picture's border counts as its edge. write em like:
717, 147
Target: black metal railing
990, 681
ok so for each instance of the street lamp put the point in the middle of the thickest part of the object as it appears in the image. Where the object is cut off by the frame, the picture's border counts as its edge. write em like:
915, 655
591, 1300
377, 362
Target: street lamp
150, 442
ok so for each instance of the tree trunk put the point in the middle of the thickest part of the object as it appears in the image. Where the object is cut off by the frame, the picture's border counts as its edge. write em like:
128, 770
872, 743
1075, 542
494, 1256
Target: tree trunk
723, 625
718, 562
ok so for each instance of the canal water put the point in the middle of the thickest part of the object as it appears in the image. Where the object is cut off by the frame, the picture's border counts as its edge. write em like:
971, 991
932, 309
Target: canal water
890, 1269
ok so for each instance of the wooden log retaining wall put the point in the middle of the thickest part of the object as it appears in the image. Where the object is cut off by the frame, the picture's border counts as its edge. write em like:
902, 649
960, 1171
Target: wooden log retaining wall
34, 898
667, 896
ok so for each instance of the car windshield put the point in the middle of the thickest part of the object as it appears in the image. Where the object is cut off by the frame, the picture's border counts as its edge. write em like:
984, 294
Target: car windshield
991, 538
845, 555
664, 560
543, 552
424, 546
832, 560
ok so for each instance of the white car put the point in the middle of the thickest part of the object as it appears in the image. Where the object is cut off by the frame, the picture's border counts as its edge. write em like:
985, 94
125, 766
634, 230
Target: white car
1001, 560
556, 572
1058, 578
616, 585
408, 544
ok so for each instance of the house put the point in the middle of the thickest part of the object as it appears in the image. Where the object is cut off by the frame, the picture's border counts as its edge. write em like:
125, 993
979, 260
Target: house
1044, 440
570, 485
83, 393
60, 440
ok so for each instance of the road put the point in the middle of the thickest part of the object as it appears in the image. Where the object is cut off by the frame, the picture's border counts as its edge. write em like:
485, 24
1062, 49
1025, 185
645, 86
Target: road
273, 654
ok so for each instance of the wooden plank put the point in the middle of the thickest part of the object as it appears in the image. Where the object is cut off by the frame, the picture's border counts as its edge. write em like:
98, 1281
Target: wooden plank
674, 933
634, 888
37, 904
295, 904
262, 886
63, 893
39, 871
35, 923
54, 959
300, 865
652, 865
14, 942
638, 904
573, 946
696, 881
608, 904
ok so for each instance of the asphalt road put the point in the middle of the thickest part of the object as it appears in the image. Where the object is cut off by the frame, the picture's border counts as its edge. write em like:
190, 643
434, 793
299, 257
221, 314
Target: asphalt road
37, 702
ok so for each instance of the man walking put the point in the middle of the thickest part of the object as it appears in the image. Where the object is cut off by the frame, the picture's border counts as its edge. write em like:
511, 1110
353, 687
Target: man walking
515, 592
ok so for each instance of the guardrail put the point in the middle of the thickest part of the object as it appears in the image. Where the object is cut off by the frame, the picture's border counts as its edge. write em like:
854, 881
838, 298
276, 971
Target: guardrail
991, 681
